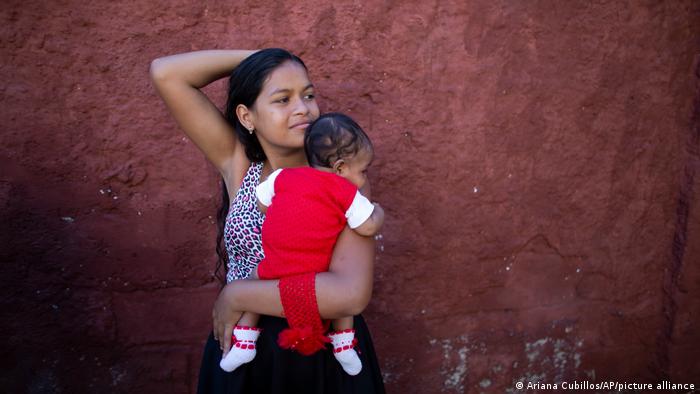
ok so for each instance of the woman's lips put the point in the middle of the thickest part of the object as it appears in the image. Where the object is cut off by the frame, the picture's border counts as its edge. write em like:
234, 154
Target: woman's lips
300, 126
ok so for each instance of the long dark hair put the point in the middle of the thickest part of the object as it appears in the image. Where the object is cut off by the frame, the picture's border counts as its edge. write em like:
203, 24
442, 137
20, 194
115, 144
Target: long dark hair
245, 84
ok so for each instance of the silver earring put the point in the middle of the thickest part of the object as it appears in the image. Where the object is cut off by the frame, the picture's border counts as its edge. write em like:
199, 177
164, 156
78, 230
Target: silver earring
250, 131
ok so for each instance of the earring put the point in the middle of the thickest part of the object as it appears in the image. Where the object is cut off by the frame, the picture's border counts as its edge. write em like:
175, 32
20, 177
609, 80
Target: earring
250, 131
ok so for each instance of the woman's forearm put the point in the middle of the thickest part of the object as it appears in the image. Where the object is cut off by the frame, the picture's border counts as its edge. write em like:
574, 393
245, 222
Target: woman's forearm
258, 296
199, 68
343, 291
178, 79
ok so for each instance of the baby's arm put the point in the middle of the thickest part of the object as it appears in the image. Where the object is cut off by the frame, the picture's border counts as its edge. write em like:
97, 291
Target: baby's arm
364, 217
374, 222
266, 190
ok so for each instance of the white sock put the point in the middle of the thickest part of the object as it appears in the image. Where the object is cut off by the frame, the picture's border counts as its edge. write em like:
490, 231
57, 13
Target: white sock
242, 350
343, 344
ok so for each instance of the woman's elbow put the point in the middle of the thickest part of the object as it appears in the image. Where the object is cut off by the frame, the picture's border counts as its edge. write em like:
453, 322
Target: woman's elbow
358, 299
157, 70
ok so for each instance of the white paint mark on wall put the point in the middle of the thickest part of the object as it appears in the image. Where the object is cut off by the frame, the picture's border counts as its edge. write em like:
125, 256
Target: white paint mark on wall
454, 363
550, 360
455, 380
590, 373
118, 375
389, 370
380, 243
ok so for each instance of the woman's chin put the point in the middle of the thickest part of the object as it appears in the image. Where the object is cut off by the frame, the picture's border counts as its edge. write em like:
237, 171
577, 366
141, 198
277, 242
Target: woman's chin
298, 131
296, 139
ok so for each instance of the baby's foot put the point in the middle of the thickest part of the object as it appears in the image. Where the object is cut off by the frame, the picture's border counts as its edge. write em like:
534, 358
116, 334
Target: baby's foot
243, 348
343, 350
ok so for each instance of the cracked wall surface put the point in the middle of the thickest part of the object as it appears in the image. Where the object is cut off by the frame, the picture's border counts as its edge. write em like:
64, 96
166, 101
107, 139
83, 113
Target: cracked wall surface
538, 162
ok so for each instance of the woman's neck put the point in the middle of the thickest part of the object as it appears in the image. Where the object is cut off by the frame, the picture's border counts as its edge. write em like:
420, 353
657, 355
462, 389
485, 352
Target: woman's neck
296, 159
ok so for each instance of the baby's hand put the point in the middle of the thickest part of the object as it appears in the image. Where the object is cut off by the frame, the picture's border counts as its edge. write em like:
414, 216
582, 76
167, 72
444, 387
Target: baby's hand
378, 215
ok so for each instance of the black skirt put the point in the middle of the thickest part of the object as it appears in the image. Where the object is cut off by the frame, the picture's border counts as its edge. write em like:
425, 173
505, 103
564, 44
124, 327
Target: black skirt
279, 371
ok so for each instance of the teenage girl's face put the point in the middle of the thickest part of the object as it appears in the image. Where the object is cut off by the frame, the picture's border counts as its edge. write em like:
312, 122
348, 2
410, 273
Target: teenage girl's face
355, 168
285, 108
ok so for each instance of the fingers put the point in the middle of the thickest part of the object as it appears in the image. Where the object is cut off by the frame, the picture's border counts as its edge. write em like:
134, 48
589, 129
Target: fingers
220, 329
236, 316
380, 210
228, 331
215, 324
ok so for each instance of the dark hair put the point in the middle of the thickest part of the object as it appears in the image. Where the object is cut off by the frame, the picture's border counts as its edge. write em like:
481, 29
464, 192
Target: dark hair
331, 137
245, 84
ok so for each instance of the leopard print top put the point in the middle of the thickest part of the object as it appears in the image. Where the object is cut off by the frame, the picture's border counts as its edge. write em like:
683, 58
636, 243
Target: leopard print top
242, 231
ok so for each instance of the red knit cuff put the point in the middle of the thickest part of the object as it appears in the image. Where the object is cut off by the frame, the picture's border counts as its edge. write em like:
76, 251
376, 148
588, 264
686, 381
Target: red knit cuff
298, 295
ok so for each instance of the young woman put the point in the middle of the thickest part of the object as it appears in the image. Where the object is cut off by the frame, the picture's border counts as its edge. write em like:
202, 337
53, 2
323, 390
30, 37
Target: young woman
271, 101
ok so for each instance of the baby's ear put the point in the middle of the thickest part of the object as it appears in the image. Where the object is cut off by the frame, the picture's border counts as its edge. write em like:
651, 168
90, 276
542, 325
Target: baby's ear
339, 166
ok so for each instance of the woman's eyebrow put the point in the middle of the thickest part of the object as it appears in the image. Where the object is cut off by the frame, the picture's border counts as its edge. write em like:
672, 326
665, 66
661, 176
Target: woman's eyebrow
287, 91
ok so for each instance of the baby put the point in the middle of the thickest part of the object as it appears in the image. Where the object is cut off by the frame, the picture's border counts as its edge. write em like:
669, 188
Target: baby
306, 210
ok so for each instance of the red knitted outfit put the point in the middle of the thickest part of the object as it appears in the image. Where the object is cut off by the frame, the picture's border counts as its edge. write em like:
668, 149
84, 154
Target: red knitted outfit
300, 230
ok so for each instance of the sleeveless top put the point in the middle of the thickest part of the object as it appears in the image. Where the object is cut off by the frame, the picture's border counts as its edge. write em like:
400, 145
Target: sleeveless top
243, 228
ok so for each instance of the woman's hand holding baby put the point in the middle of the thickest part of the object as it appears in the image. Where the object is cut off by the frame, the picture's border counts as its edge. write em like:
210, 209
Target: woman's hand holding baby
225, 317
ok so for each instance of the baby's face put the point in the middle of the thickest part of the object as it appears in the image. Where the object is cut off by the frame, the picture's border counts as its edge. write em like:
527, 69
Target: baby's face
355, 168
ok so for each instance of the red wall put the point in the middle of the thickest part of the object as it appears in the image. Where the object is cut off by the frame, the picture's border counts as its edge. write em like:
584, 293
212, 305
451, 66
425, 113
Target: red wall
539, 163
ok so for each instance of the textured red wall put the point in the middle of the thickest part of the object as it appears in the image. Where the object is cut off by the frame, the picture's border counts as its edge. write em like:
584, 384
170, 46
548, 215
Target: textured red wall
538, 161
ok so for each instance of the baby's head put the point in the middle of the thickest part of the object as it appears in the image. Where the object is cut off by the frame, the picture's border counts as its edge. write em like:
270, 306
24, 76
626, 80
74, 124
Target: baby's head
334, 141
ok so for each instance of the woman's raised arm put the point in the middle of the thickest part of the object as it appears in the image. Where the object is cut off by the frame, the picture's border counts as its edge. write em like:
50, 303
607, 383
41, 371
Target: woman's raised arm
343, 291
178, 78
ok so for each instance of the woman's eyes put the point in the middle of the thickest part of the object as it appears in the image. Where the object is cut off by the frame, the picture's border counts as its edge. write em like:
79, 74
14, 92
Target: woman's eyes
285, 100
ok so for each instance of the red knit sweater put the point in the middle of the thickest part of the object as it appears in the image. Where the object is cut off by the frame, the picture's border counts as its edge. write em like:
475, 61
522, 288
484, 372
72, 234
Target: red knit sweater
303, 222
